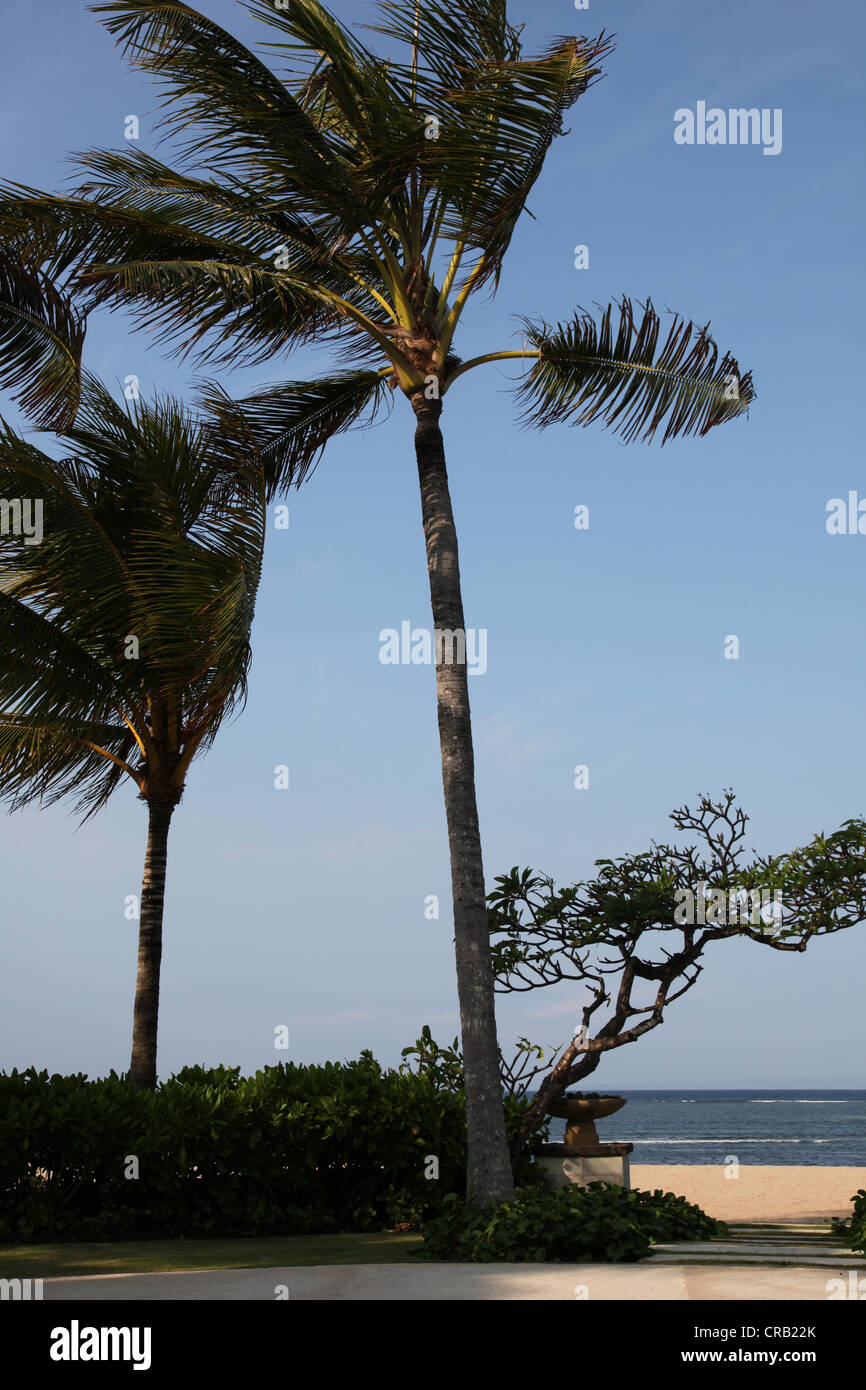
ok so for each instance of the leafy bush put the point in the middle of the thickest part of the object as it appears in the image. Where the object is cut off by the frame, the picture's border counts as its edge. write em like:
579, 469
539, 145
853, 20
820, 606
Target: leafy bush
290, 1150
853, 1230
600, 1223
667, 1217
443, 1067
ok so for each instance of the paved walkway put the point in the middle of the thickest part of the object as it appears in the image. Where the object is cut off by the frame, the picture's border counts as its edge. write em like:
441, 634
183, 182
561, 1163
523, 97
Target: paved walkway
811, 1244
445, 1282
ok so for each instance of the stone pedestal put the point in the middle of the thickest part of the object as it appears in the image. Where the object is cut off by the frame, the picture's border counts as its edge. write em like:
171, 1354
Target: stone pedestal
585, 1163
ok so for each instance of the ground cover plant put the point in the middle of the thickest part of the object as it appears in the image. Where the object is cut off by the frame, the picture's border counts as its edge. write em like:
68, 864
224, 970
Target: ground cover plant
600, 1222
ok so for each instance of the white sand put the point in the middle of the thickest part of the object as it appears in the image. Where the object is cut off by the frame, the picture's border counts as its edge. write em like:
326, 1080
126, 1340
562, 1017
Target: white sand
760, 1192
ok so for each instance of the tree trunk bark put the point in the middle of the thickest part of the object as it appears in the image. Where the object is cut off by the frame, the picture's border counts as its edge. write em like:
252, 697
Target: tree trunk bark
489, 1174
142, 1068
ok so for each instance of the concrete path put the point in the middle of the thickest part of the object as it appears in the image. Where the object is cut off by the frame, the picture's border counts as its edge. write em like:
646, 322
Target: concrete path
804, 1244
452, 1282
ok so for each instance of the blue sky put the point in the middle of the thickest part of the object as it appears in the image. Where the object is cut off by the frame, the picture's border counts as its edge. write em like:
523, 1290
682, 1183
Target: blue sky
605, 647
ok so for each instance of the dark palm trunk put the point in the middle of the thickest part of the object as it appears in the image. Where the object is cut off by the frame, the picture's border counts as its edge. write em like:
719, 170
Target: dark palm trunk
489, 1175
142, 1069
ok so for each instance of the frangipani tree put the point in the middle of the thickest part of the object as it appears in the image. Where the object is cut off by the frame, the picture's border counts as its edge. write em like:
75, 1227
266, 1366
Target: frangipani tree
125, 626
359, 202
633, 939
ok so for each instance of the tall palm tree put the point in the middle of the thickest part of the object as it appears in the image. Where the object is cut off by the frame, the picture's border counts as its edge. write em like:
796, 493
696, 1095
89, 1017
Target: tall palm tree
124, 626
359, 202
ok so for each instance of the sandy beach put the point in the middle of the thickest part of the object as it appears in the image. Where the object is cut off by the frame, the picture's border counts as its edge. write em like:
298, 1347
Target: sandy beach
760, 1192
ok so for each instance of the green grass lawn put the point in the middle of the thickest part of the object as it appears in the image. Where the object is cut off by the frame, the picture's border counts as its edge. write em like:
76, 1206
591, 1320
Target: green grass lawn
168, 1256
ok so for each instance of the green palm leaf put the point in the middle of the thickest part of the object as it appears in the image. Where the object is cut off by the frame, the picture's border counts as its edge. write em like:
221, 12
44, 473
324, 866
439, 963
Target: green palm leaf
225, 215
287, 426
41, 338
249, 119
628, 378
342, 84
45, 760
498, 112
179, 251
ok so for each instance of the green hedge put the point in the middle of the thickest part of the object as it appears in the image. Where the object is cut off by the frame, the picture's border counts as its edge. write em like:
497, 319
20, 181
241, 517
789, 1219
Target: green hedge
291, 1150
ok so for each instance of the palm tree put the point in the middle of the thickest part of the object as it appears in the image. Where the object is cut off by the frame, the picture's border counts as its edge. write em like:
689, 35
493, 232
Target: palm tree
359, 202
125, 626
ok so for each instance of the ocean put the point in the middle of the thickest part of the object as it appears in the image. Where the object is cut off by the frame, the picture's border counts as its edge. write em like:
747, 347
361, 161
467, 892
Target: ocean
821, 1128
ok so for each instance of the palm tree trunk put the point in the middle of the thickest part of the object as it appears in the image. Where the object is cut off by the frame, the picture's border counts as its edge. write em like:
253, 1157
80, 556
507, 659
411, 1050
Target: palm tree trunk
489, 1175
142, 1068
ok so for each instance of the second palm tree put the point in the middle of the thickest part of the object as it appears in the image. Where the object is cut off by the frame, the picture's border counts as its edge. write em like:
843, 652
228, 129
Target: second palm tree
125, 631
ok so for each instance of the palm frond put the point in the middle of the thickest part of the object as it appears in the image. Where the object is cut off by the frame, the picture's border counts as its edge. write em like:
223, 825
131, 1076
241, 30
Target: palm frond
627, 378
223, 212
509, 130
45, 760
50, 667
41, 340
225, 312
76, 569
287, 426
498, 111
333, 69
222, 299
248, 118
452, 40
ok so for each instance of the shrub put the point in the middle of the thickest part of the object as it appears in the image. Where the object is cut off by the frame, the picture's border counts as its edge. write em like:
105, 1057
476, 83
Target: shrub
600, 1223
853, 1230
667, 1217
